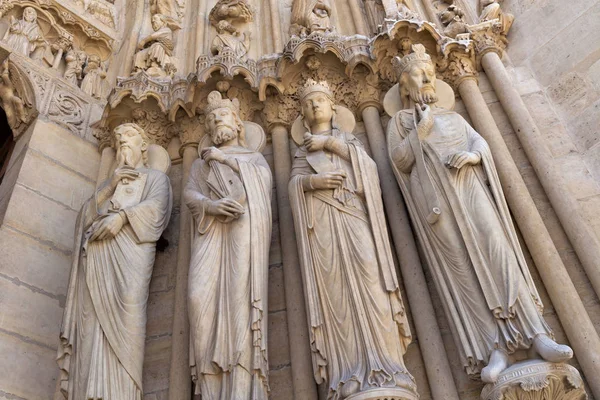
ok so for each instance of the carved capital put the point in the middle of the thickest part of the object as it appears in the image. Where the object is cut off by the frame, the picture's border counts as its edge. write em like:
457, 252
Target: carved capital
488, 36
536, 380
191, 132
457, 66
280, 110
104, 137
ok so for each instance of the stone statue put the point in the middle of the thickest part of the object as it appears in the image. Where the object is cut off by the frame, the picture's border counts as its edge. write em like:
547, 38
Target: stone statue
404, 11
358, 325
94, 75
155, 50
310, 16
229, 196
10, 101
104, 324
491, 10
451, 187
228, 37
25, 35
452, 18
75, 60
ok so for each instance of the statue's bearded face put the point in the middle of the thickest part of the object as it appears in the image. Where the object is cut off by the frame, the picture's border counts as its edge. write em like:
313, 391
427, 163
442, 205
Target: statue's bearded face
130, 148
157, 22
317, 108
419, 82
222, 125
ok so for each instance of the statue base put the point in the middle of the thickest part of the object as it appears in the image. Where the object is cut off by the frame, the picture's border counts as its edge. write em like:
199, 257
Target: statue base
385, 394
536, 380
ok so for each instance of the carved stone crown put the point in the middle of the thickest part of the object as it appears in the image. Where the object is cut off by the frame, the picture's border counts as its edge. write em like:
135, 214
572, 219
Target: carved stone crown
418, 55
216, 101
312, 86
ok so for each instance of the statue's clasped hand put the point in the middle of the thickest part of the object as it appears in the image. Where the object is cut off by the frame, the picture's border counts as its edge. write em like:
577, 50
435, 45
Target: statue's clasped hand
327, 180
123, 174
315, 142
107, 227
225, 207
424, 119
463, 158
212, 153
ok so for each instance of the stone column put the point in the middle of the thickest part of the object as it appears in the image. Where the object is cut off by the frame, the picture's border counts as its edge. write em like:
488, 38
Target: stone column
276, 26
437, 367
565, 299
358, 16
578, 230
180, 382
304, 383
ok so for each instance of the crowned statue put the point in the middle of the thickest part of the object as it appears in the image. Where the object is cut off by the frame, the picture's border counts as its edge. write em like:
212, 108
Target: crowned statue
447, 175
104, 324
358, 327
229, 196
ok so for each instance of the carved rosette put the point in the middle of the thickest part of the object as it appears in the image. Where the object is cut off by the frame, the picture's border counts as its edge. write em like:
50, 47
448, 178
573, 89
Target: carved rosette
536, 380
457, 65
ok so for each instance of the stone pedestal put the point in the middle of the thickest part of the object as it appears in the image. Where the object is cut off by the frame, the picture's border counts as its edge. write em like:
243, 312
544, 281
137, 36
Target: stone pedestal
537, 380
385, 394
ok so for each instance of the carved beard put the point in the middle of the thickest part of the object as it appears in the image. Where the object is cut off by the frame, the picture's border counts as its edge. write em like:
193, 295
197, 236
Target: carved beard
223, 133
126, 157
424, 95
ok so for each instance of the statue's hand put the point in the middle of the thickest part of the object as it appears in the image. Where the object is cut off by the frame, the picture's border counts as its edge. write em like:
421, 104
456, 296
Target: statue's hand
212, 153
424, 119
123, 173
226, 207
315, 142
327, 180
463, 158
107, 228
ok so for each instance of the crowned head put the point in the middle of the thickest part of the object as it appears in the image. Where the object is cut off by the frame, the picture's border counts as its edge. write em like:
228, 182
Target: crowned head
317, 103
132, 145
223, 122
416, 77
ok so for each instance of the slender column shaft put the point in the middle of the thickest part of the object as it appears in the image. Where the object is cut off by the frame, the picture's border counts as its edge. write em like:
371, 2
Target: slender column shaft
578, 230
358, 16
201, 17
304, 384
573, 316
276, 26
432, 348
106, 161
179, 374
57, 58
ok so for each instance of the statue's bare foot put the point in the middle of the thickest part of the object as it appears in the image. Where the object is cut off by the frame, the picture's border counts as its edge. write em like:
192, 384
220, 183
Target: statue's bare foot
551, 351
349, 388
498, 363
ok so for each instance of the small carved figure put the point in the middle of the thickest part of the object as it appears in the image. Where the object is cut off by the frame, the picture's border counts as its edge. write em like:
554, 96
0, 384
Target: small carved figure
75, 60
453, 20
228, 37
94, 75
25, 35
491, 10
447, 175
155, 50
12, 104
310, 16
404, 11
229, 196
102, 11
104, 324
358, 326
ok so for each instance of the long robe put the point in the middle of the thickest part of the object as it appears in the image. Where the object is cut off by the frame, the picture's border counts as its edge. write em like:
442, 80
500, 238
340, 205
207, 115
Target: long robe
104, 324
358, 326
157, 51
473, 252
23, 35
227, 295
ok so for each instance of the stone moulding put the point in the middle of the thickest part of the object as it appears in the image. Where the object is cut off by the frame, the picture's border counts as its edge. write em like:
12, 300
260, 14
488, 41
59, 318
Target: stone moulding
228, 65
386, 394
537, 380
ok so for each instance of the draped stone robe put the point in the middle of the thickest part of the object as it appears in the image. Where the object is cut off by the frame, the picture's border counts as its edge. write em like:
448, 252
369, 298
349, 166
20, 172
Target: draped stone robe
227, 295
104, 324
22, 36
358, 327
473, 252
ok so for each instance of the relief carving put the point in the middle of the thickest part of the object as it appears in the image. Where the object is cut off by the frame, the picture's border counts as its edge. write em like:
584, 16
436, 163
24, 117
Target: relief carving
14, 99
104, 322
447, 175
309, 16
74, 71
68, 111
155, 51
94, 76
491, 10
357, 322
24, 35
229, 196
224, 16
